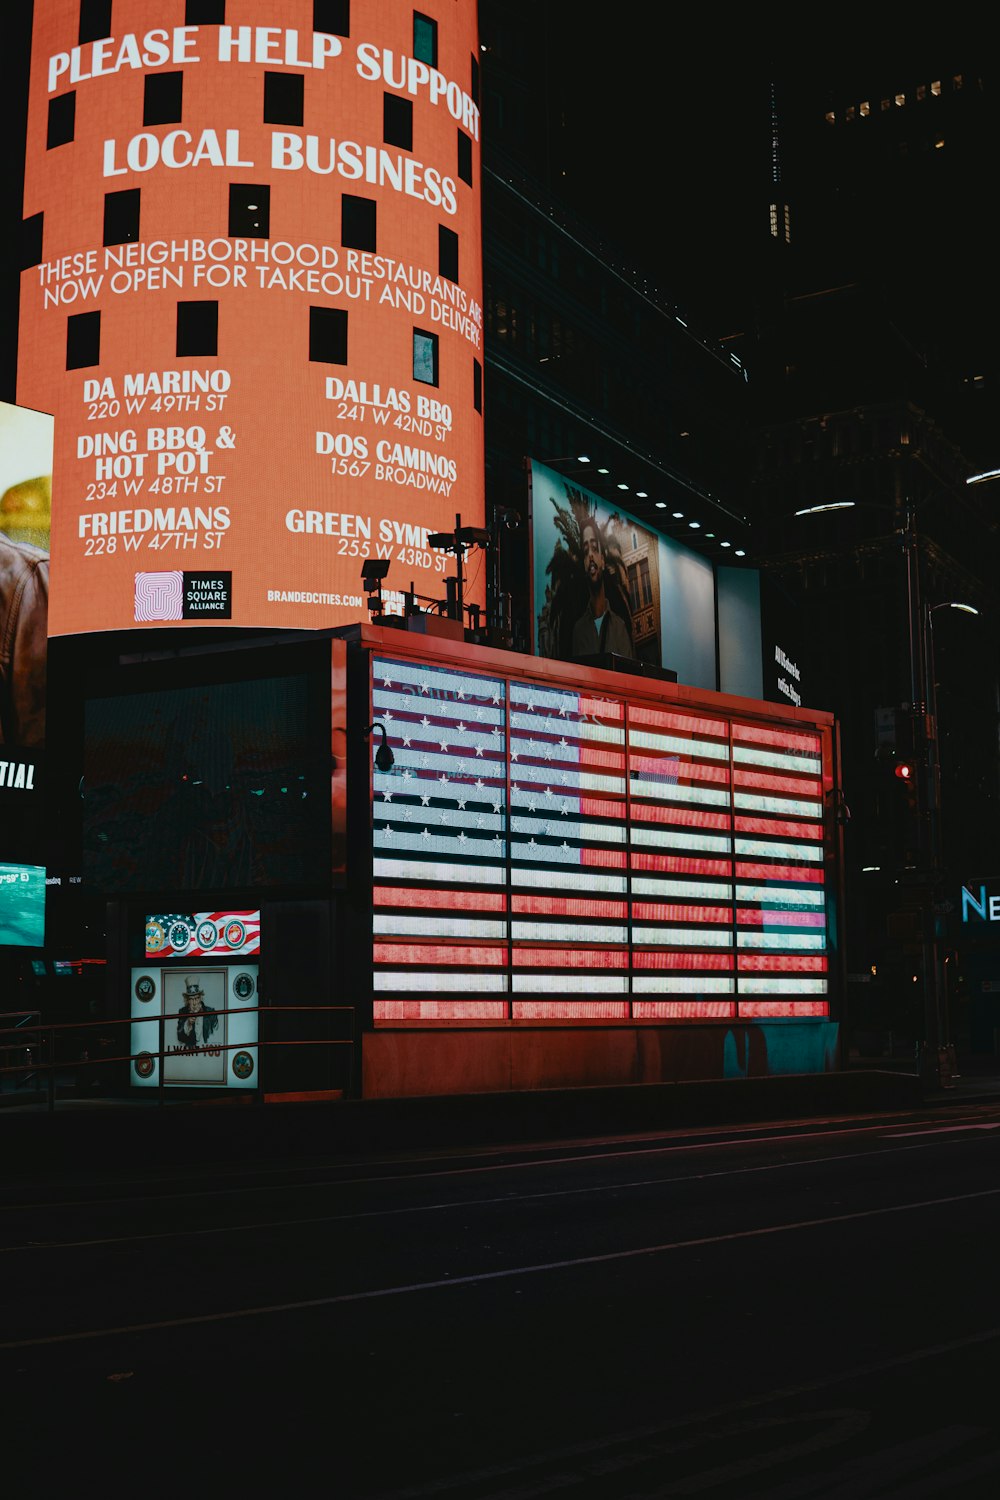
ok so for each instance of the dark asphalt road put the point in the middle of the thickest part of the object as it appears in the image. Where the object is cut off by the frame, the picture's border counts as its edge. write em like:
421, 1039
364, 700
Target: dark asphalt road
804, 1309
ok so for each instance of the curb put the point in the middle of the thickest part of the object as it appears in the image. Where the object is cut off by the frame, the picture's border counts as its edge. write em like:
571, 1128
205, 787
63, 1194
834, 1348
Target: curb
70, 1139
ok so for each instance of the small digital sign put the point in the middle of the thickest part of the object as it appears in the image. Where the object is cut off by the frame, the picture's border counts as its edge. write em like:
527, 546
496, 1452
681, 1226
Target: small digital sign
202, 934
22, 905
204, 1017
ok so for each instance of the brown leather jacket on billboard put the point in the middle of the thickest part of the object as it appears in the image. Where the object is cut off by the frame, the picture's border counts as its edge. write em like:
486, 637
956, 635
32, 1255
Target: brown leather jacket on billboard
24, 609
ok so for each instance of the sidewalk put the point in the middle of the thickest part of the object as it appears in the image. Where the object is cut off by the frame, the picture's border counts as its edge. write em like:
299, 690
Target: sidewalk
127, 1132
977, 1076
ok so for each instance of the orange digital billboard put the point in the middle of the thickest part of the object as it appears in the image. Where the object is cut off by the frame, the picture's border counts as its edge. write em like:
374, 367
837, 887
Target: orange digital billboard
254, 305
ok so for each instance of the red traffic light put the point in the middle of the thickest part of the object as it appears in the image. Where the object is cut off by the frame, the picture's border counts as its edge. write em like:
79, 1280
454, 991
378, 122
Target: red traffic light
903, 770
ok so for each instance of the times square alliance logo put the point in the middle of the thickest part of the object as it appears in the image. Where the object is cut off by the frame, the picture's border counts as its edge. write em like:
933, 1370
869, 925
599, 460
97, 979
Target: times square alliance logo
183, 596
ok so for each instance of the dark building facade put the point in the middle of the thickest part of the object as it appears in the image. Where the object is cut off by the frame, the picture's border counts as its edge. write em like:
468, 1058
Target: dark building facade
593, 372
872, 337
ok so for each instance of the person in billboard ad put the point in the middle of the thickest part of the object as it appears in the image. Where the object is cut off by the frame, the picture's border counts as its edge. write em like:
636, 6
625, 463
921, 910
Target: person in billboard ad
596, 576
195, 1028
599, 628
25, 520
196, 1021
24, 598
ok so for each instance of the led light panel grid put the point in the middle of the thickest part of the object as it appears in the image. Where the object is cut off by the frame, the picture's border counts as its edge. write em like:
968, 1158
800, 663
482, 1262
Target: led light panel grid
554, 849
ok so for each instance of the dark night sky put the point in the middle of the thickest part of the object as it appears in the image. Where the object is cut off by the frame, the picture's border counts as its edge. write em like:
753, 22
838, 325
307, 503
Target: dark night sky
665, 141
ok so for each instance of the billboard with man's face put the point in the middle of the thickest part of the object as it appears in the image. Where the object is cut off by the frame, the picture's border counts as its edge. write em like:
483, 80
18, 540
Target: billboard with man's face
25, 523
255, 302
604, 584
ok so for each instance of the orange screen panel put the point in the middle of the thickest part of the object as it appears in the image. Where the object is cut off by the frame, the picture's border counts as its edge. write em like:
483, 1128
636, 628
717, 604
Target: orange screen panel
256, 308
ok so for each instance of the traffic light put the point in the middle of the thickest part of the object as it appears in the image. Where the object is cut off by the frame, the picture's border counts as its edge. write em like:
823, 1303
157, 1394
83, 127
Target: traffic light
905, 772
898, 779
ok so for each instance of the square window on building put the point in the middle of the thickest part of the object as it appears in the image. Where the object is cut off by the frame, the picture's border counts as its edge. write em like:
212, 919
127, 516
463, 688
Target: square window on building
465, 157
31, 241
197, 328
204, 12
477, 386
397, 121
328, 335
425, 39
249, 210
332, 16
162, 98
83, 340
357, 222
62, 120
95, 20
425, 357
284, 98
121, 217
447, 252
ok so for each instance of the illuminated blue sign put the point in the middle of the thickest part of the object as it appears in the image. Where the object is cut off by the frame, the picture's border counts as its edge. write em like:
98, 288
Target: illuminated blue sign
983, 908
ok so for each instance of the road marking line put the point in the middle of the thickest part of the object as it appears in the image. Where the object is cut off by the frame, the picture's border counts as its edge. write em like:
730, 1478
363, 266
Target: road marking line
457, 1205
485, 1276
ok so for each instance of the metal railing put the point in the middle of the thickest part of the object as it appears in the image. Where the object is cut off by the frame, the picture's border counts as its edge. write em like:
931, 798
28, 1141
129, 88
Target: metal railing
91, 1051
19, 1039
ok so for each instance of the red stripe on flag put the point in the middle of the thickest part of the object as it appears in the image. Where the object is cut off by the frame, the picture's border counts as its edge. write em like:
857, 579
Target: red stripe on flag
788, 786
784, 1008
567, 906
658, 718
678, 772
601, 710
678, 817
665, 911
800, 874
753, 734
569, 1010
682, 864
609, 859
776, 828
440, 1010
683, 1010
656, 958
452, 955
445, 900
777, 963
569, 958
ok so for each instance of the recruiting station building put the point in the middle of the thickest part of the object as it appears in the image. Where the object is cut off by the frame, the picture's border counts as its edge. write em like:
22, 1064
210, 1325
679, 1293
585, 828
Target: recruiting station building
254, 311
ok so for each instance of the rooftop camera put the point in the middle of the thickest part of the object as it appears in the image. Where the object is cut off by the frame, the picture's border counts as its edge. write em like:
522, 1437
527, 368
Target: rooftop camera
373, 570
